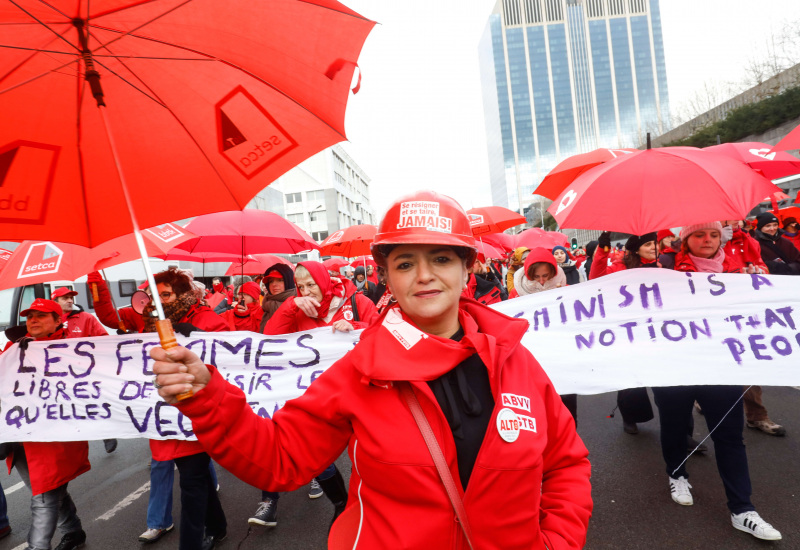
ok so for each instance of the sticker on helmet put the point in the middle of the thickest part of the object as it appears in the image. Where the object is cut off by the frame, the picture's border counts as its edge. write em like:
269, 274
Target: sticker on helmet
424, 214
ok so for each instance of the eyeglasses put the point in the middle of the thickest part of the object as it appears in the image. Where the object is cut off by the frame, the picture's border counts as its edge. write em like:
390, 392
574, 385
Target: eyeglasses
165, 295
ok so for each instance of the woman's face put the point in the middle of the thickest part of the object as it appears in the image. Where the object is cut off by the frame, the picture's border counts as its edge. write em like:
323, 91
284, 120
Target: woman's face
543, 273
166, 293
770, 228
704, 243
560, 256
306, 286
40, 324
427, 280
666, 241
648, 251
244, 298
276, 286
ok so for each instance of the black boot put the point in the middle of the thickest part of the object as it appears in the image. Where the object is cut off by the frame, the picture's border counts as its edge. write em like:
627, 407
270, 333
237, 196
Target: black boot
336, 491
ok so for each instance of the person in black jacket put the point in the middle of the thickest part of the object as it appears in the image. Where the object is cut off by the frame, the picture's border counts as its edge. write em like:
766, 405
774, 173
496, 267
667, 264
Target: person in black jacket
778, 253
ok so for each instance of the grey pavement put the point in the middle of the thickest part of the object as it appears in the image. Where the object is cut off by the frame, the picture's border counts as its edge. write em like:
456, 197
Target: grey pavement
633, 508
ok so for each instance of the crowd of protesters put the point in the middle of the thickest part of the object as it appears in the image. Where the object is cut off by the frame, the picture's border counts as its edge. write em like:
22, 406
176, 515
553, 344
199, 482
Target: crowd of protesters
286, 299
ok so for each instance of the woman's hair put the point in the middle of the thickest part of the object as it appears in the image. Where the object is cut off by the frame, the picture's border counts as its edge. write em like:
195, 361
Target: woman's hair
534, 266
461, 251
631, 259
301, 272
180, 282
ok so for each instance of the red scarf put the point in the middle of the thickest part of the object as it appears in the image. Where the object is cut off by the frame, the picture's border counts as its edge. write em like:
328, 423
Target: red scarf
328, 286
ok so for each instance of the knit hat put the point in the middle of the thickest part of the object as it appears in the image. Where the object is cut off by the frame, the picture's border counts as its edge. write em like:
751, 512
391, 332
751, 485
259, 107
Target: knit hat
789, 221
559, 247
663, 234
764, 218
360, 271
689, 229
252, 289
636, 241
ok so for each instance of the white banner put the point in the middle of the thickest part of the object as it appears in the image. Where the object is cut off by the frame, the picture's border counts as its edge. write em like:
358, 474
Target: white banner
643, 327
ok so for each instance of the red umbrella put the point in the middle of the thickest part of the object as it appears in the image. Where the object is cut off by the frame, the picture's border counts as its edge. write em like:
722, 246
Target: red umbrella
493, 219
501, 241
656, 188
790, 142
4, 256
487, 251
178, 255
788, 212
350, 241
256, 265
757, 155
536, 237
570, 168
41, 261
207, 104
363, 261
335, 264
246, 232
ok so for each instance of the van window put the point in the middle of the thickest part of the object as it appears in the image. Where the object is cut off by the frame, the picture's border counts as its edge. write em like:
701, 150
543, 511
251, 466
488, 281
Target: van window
28, 296
6, 304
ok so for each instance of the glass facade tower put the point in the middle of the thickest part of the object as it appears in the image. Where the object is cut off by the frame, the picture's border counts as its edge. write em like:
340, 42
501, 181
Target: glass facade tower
562, 77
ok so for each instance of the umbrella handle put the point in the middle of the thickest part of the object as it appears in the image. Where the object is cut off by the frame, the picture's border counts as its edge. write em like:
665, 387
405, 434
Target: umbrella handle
95, 294
168, 341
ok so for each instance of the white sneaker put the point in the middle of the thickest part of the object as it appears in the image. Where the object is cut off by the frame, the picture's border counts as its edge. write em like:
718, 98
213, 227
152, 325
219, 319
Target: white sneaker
152, 535
680, 491
751, 522
315, 491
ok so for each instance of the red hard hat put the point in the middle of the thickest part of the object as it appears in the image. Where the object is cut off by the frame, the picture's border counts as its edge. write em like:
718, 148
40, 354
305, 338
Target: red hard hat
425, 217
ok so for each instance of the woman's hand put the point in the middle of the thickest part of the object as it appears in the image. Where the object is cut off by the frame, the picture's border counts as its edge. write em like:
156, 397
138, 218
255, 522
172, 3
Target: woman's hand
307, 305
342, 326
241, 307
178, 371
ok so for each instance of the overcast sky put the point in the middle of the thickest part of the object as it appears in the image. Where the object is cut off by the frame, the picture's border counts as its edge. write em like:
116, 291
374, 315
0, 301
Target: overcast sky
417, 121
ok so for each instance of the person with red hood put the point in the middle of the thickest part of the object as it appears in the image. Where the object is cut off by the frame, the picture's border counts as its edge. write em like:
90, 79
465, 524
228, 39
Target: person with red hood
457, 437
247, 312
218, 293
540, 272
664, 240
791, 231
47, 468
322, 301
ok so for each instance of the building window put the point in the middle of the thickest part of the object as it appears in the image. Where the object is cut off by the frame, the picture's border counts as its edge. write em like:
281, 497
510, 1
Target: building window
319, 235
294, 197
318, 195
295, 218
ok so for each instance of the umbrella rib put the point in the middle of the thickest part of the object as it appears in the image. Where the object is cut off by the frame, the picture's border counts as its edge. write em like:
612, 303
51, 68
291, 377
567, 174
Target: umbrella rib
43, 24
131, 84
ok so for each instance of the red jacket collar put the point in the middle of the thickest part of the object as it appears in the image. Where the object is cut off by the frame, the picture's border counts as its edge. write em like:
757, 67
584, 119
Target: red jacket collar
491, 334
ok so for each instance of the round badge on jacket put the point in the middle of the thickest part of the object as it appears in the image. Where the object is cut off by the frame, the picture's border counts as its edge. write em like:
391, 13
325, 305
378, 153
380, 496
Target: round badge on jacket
508, 425
348, 315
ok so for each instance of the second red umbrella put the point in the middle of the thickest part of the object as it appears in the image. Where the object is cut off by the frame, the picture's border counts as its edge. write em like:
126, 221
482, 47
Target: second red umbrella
350, 241
493, 219
757, 156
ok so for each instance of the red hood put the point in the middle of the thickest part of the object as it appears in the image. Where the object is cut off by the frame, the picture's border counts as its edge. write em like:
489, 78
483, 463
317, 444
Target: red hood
501, 334
540, 255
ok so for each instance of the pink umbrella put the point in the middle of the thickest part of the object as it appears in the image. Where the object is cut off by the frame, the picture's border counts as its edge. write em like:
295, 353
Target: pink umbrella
757, 155
538, 237
487, 251
335, 264
350, 241
501, 241
41, 261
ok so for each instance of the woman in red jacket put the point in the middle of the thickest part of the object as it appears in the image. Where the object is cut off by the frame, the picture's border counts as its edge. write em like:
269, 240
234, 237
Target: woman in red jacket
322, 301
247, 313
701, 251
202, 518
47, 468
511, 455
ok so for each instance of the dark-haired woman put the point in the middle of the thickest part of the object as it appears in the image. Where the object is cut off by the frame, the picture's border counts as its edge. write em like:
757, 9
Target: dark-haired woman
512, 462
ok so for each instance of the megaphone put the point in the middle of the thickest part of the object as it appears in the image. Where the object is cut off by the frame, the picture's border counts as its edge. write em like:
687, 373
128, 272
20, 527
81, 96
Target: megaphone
139, 301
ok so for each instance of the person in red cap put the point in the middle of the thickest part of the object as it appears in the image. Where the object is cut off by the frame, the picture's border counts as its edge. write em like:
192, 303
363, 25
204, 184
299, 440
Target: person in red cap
47, 468
457, 436
246, 312
79, 323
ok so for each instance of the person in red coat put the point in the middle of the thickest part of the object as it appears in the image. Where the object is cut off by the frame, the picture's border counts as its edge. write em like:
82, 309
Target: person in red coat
791, 231
124, 319
702, 252
511, 455
247, 313
202, 518
322, 301
47, 468
79, 323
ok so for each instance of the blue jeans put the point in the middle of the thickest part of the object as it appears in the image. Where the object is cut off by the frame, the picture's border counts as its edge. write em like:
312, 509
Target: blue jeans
3, 509
159, 506
328, 473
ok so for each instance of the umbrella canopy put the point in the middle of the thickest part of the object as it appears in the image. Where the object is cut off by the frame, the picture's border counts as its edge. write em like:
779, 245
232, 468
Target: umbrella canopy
501, 241
656, 188
570, 168
536, 237
757, 155
788, 212
790, 142
257, 264
488, 252
350, 241
178, 255
207, 103
363, 261
4, 257
335, 264
41, 261
493, 219
246, 232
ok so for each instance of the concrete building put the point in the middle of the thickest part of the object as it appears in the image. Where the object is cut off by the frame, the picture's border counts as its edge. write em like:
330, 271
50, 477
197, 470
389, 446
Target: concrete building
562, 77
325, 193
